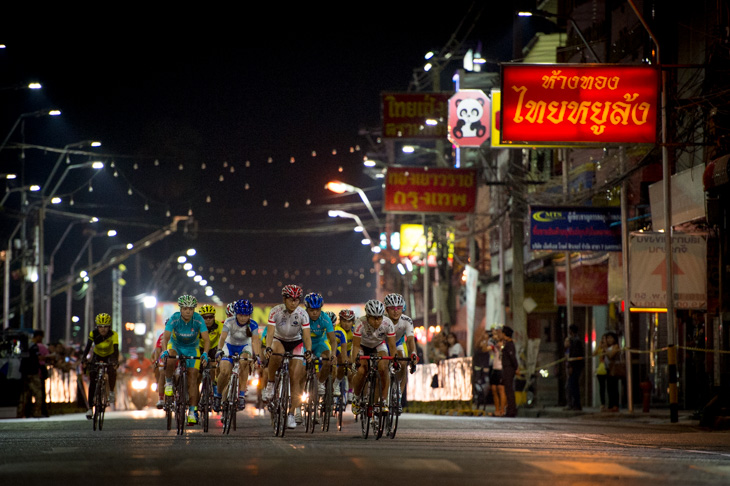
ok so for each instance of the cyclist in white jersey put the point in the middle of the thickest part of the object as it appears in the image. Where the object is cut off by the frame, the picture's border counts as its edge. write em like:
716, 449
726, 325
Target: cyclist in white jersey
373, 334
404, 338
288, 329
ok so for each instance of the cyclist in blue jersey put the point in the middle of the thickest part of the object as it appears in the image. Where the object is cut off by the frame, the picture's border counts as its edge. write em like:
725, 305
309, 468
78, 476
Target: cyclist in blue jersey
323, 336
184, 331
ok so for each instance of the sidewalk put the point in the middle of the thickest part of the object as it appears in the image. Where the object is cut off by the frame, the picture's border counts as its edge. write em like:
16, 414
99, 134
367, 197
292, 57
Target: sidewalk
654, 416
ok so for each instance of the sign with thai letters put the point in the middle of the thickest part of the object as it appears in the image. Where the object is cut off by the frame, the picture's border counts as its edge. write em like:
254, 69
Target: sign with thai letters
415, 115
575, 228
429, 190
579, 104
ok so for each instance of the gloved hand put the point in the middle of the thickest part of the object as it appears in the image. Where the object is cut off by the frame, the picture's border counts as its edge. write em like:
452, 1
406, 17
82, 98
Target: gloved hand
414, 358
204, 358
396, 365
219, 355
165, 354
267, 352
308, 356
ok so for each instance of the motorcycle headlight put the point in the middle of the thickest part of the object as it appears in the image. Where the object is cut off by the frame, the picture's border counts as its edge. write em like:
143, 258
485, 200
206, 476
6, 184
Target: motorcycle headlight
139, 384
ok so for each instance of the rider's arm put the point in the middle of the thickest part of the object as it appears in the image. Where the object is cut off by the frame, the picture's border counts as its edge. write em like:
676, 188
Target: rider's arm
411, 343
256, 344
87, 349
206, 341
392, 346
165, 339
333, 343
307, 338
222, 339
355, 349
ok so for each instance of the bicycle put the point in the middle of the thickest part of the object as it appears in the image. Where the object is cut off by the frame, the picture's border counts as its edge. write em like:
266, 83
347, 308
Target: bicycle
339, 403
205, 405
395, 400
310, 400
281, 401
101, 395
231, 403
371, 412
178, 403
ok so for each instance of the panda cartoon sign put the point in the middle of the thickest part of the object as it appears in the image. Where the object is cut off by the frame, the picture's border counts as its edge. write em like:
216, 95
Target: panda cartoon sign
469, 112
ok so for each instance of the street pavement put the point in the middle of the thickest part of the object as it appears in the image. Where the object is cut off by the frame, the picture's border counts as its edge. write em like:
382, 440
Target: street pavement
585, 448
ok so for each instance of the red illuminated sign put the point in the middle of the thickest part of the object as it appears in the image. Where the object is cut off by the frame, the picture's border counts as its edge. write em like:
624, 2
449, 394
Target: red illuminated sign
578, 103
427, 190
414, 115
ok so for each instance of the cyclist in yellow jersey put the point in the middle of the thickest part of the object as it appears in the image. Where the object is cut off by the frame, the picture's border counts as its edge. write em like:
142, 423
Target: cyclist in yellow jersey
341, 339
106, 350
346, 322
207, 312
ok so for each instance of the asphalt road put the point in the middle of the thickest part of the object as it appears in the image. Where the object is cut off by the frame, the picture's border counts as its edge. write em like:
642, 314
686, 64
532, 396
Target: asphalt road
135, 448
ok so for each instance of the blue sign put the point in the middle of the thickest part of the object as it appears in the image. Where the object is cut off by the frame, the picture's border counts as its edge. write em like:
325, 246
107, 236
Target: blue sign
575, 228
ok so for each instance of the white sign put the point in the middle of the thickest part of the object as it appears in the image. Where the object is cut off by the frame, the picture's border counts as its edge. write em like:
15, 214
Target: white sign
648, 270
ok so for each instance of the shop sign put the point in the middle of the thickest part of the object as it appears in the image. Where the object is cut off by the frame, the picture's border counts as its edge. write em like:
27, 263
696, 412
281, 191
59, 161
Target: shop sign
579, 104
430, 190
415, 115
469, 113
575, 229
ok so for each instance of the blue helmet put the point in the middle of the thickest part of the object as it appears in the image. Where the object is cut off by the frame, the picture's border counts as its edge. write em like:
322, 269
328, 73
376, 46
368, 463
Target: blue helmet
243, 307
314, 300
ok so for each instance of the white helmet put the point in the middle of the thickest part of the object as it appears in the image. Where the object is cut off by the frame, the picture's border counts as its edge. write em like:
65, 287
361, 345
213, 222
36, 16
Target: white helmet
394, 300
374, 308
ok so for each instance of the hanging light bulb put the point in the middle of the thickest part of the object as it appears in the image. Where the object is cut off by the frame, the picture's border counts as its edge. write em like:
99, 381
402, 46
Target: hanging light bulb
112, 165
220, 178
180, 167
309, 201
248, 163
357, 147
314, 153
334, 151
225, 164
352, 150
129, 191
167, 213
203, 166
116, 174
291, 160
71, 202
157, 162
146, 207
246, 186
286, 204
190, 212
91, 188
339, 169
270, 160
207, 199
266, 202
135, 166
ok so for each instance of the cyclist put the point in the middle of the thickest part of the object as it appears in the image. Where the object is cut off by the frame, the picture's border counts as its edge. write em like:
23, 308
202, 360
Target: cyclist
207, 312
341, 339
288, 330
404, 339
374, 334
229, 310
183, 331
239, 336
106, 350
347, 321
324, 340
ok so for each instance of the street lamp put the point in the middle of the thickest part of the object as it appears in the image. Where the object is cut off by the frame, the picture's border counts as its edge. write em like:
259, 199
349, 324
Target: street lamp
31, 188
32, 114
544, 14
340, 188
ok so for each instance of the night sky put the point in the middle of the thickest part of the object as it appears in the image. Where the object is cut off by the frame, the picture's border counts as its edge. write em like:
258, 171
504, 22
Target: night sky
194, 106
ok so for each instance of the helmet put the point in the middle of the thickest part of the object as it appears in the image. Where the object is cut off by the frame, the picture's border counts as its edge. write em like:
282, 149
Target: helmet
103, 319
229, 309
187, 301
374, 308
347, 315
293, 291
332, 316
140, 351
243, 306
206, 309
394, 300
314, 300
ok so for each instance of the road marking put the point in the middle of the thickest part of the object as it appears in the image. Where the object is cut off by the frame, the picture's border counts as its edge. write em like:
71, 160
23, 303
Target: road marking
590, 468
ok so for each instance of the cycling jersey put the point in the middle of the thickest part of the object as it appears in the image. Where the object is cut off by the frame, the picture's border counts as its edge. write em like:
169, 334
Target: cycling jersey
237, 335
342, 342
289, 325
321, 327
214, 333
403, 329
103, 345
185, 333
371, 337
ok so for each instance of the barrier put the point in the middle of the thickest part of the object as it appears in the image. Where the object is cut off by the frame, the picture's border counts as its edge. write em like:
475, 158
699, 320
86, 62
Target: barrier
453, 381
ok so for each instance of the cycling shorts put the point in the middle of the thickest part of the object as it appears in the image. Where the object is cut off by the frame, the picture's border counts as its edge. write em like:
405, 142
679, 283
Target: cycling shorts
230, 350
320, 345
293, 347
192, 350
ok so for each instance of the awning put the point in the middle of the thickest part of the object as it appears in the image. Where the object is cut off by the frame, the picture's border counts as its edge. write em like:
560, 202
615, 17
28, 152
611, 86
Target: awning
716, 173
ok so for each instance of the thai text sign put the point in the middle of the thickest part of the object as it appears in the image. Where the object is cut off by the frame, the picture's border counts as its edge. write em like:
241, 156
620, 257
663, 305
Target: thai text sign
427, 190
407, 115
567, 103
648, 270
582, 229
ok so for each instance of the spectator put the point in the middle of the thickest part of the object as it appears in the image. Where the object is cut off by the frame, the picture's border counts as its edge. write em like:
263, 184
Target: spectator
602, 371
454, 349
613, 355
480, 369
32, 395
495, 373
574, 365
510, 368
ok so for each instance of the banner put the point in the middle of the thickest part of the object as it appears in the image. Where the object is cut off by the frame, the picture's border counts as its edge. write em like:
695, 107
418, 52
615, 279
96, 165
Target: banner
588, 282
429, 190
648, 270
579, 103
577, 229
405, 115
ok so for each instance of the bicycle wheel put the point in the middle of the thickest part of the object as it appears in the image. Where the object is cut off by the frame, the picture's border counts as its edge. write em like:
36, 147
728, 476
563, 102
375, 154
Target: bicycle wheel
341, 404
104, 400
168, 411
312, 401
181, 402
204, 405
378, 417
326, 405
284, 403
394, 411
366, 409
97, 402
233, 392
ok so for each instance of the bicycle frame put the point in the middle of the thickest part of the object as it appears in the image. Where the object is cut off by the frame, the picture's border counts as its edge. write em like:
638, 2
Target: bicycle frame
281, 401
101, 395
371, 412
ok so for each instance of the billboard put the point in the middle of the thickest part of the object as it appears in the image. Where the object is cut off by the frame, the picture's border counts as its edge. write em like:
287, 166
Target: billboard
579, 104
575, 229
407, 115
430, 190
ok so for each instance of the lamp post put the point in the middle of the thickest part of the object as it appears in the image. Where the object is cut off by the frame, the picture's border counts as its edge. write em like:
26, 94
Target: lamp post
41, 231
32, 114
340, 188
542, 13
31, 188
